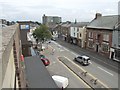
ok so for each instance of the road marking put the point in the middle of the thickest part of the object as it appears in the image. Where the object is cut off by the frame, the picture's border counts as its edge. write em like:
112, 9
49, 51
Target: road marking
66, 49
85, 71
103, 62
75, 64
74, 74
74, 53
105, 71
61, 50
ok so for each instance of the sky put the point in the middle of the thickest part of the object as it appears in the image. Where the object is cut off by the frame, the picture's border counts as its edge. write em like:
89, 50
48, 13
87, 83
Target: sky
69, 10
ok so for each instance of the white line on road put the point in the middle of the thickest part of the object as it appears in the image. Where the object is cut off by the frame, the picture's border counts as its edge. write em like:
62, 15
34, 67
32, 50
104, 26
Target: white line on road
74, 53
105, 71
105, 63
99, 60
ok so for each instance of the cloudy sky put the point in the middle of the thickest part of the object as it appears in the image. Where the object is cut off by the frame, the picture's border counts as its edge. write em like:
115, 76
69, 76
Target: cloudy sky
69, 10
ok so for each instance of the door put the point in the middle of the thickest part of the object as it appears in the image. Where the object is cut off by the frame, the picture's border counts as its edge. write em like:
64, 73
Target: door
112, 55
96, 48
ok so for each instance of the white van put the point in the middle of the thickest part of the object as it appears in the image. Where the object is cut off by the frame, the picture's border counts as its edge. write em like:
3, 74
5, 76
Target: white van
62, 82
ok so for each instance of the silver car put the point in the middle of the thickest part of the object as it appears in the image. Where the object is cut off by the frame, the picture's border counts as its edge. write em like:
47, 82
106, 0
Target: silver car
84, 60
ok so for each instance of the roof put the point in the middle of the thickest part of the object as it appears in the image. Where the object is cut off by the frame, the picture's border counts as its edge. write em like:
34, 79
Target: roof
7, 34
66, 25
104, 22
37, 75
79, 24
86, 57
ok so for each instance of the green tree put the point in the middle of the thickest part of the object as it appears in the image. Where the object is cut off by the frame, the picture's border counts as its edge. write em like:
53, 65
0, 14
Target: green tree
41, 34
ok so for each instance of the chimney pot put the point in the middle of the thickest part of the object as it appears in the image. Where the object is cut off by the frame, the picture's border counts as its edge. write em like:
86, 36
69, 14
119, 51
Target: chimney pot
97, 15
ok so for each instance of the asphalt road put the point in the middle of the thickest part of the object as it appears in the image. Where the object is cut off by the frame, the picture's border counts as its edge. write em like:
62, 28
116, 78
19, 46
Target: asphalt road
108, 63
105, 75
58, 68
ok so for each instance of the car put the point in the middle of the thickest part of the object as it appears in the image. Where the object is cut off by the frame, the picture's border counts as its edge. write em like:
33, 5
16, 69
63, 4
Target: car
49, 41
53, 39
61, 82
45, 61
42, 56
84, 60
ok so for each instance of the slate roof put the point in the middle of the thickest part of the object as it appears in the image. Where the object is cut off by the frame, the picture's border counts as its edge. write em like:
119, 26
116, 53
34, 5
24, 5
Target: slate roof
104, 22
79, 24
37, 75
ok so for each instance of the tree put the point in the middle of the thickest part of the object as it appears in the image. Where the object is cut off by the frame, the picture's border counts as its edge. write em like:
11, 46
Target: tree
41, 34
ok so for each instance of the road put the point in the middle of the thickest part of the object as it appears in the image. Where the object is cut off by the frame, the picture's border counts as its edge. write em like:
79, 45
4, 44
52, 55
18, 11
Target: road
57, 68
108, 63
105, 75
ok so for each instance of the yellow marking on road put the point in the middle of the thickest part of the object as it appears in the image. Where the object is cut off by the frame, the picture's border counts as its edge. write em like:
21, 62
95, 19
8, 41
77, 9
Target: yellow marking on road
88, 73
75, 75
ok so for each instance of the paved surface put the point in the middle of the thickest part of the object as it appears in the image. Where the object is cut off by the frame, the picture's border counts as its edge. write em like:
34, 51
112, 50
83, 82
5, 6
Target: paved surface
57, 68
100, 72
108, 63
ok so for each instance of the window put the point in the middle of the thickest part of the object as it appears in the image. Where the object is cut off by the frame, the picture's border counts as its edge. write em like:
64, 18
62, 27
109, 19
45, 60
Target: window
90, 34
90, 43
96, 37
105, 47
106, 37
74, 33
77, 29
117, 54
80, 35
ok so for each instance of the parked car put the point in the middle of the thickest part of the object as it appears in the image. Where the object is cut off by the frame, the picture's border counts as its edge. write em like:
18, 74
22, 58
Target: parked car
42, 56
53, 39
49, 41
45, 61
84, 60
61, 82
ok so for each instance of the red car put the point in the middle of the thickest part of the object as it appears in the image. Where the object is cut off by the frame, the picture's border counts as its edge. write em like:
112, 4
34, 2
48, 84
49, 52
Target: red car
45, 61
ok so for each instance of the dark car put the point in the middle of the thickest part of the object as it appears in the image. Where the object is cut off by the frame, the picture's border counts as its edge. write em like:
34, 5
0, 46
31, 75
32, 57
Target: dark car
84, 60
42, 56
45, 61
53, 39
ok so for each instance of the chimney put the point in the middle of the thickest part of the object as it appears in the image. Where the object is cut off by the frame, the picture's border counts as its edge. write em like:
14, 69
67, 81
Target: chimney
97, 15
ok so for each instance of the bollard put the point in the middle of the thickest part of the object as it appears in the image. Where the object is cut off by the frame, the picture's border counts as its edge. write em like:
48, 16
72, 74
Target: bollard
92, 80
82, 73
85, 73
95, 81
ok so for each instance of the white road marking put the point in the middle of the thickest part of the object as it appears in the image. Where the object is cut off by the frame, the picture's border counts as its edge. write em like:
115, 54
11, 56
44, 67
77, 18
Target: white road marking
61, 50
74, 74
99, 60
105, 62
105, 71
90, 56
85, 71
66, 49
